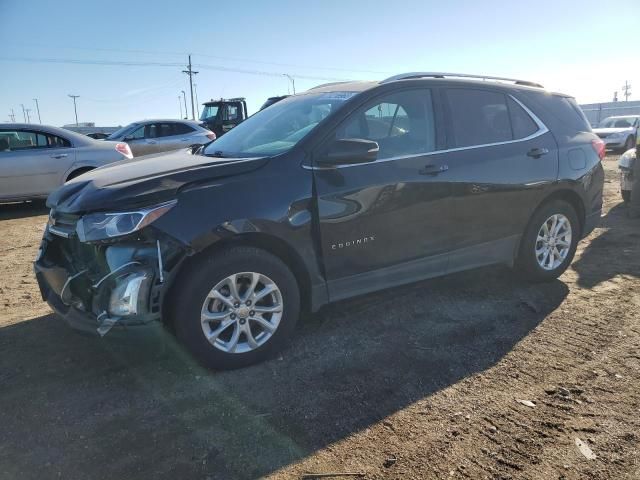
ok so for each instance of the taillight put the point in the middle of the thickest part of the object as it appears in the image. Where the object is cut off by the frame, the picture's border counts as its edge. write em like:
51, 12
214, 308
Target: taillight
124, 149
599, 147
211, 136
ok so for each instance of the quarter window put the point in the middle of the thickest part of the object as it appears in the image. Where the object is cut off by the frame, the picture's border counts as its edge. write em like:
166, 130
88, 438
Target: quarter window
478, 117
522, 124
402, 123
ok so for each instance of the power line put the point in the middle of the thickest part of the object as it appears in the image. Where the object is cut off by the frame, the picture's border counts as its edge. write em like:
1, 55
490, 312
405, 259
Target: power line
207, 55
163, 64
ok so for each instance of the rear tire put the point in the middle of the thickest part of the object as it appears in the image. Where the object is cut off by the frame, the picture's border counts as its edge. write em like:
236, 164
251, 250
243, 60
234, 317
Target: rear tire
205, 291
545, 256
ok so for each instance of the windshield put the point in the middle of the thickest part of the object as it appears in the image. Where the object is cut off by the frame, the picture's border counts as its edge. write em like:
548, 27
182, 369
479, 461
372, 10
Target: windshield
278, 128
121, 131
618, 122
209, 111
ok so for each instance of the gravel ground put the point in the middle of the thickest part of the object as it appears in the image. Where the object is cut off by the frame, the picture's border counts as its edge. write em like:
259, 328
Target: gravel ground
475, 375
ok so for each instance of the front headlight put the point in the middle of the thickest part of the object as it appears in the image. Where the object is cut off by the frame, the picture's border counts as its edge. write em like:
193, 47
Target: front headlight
96, 227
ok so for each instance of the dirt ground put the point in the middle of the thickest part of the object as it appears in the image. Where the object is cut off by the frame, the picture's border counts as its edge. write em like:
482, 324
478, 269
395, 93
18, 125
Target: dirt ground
418, 382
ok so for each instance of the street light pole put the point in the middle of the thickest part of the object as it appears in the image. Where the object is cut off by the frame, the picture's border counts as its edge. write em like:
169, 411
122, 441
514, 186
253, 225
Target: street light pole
24, 114
13, 116
28, 117
292, 80
186, 111
195, 89
75, 109
180, 105
38, 110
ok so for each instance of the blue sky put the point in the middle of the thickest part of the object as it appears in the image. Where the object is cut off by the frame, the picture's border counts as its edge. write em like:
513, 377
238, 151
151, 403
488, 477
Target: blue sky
585, 48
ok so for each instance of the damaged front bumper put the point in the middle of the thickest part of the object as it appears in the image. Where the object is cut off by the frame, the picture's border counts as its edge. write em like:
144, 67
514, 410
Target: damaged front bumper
102, 287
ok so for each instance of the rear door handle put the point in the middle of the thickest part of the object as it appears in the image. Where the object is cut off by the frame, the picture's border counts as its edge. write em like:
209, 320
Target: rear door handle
537, 152
433, 169
59, 155
151, 142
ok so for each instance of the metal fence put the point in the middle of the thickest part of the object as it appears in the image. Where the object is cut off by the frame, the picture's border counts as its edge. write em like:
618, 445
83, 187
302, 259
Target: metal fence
596, 112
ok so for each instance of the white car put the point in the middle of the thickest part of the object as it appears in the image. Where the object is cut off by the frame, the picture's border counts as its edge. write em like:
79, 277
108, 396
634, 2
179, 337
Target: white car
625, 164
619, 133
37, 159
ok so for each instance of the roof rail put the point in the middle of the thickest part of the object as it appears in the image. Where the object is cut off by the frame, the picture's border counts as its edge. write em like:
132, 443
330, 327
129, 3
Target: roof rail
406, 76
329, 84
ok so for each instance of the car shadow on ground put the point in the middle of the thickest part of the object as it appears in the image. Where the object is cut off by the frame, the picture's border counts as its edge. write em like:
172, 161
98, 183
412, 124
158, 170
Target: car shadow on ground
613, 252
10, 211
84, 407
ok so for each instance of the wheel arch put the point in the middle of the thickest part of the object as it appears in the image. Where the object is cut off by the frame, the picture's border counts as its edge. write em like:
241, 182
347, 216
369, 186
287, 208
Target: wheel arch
269, 243
74, 172
572, 198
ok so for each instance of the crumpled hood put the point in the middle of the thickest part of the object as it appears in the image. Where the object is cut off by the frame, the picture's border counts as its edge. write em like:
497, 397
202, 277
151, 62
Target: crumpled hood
144, 181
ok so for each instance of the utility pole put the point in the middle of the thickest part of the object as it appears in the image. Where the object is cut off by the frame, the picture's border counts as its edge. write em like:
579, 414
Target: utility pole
615, 96
180, 105
24, 114
292, 80
75, 109
186, 112
12, 116
191, 73
627, 90
195, 89
38, 109
28, 117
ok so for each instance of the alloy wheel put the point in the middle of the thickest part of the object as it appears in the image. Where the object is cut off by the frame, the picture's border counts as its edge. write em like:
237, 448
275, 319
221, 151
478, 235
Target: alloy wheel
242, 312
553, 242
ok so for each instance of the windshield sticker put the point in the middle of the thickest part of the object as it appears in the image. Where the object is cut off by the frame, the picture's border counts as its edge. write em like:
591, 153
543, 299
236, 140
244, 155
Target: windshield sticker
342, 96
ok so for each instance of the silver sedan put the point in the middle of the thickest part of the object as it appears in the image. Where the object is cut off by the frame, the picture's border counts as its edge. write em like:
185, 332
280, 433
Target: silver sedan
154, 136
36, 159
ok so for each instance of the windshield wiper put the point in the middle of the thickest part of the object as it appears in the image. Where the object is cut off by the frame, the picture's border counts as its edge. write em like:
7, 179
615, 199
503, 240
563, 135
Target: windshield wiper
218, 154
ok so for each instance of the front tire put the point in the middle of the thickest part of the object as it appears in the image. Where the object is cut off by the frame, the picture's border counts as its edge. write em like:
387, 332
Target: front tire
236, 307
549, 242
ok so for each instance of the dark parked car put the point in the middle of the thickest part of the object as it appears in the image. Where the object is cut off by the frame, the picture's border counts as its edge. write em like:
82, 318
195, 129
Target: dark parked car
339, 191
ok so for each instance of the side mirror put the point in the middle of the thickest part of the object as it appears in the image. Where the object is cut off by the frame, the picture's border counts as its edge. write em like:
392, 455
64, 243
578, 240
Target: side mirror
350, 150
196, 149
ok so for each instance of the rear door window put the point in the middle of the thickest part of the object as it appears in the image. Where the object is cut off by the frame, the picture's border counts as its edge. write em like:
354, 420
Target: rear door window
478, 117
23, 140
181, 129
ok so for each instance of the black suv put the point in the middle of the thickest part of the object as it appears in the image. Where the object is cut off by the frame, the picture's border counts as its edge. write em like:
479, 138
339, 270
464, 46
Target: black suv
342, 190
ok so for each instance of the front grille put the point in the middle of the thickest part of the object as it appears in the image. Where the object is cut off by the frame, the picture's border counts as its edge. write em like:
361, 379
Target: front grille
62, 224
603, 135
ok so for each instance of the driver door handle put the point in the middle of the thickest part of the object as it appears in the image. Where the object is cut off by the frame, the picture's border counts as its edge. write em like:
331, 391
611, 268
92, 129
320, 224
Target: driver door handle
152, 142
537, 152
59, 155
433, 169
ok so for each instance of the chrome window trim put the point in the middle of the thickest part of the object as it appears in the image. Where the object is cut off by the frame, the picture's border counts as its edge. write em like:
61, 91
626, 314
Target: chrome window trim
542, 129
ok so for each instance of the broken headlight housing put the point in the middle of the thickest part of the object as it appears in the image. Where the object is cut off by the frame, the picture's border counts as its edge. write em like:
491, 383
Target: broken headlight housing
97, 227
